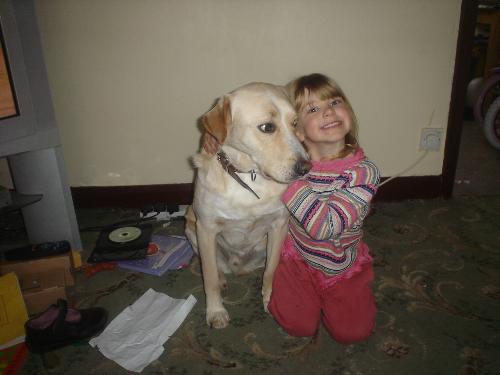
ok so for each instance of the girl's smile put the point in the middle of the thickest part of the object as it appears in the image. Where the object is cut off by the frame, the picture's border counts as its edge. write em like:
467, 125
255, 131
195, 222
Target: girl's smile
334, 124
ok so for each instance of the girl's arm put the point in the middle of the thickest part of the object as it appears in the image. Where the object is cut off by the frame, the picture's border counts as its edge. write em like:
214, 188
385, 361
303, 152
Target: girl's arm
326, 216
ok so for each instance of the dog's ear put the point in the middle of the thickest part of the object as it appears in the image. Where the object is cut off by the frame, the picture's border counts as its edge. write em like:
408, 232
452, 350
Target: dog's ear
217, 120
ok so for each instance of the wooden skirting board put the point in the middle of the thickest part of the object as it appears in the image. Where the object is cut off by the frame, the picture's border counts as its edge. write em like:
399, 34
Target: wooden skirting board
138, 196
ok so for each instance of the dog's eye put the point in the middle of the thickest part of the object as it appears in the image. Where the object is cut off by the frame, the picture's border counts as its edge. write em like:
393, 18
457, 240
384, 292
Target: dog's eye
268, 127
294, 123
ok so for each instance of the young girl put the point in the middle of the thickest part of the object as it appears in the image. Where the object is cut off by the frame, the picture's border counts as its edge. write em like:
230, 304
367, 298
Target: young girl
325, 271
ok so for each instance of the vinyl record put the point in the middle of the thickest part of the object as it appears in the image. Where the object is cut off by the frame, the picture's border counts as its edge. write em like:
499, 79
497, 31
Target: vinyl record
125, 234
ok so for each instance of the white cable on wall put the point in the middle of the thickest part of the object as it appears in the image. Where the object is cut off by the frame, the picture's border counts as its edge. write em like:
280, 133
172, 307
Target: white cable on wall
406, 170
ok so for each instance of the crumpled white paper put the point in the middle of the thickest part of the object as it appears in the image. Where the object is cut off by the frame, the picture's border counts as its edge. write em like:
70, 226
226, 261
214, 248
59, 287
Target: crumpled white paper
136, 336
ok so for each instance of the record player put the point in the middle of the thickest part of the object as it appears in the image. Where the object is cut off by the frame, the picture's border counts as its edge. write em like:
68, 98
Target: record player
122, 243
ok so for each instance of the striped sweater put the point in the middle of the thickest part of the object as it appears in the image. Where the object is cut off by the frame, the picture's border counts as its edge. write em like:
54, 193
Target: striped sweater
328, 207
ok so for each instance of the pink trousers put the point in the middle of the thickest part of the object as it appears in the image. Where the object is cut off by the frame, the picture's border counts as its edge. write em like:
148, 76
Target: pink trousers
347, 308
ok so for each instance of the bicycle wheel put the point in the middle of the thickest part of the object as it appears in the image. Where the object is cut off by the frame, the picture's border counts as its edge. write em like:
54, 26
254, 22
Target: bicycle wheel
489, 91
491, 125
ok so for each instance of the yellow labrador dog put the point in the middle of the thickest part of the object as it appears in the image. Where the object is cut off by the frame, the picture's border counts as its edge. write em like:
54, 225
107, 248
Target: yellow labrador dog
237, 221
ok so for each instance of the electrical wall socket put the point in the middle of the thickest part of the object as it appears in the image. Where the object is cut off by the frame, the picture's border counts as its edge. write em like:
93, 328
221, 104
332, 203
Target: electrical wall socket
430, 139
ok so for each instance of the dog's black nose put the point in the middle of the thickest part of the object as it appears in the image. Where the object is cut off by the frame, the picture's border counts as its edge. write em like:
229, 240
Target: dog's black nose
302, 167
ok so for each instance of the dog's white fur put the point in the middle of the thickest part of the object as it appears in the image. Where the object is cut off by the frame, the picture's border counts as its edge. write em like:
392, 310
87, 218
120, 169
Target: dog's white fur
229, 227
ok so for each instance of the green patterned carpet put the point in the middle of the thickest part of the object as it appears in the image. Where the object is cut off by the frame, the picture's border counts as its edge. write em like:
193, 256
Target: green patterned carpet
437, 266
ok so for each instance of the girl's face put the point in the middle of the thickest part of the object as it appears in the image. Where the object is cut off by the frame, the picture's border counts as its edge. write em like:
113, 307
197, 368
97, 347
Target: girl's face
323, 126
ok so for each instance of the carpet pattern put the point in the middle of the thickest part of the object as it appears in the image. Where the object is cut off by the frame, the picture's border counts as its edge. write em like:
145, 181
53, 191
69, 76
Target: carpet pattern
437, 286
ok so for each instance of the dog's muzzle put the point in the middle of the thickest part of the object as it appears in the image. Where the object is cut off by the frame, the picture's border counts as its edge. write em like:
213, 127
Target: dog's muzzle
301, 167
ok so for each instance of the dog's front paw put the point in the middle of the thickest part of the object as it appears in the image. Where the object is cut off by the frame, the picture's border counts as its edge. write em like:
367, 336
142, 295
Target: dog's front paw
218, 318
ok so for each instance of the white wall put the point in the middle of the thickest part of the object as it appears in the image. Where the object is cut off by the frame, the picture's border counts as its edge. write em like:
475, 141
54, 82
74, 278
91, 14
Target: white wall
130, 78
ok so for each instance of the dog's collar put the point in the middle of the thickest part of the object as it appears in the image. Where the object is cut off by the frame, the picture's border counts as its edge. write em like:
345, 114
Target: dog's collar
232, 170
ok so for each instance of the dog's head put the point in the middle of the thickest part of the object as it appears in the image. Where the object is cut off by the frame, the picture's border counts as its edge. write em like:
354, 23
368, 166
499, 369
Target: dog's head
255, 125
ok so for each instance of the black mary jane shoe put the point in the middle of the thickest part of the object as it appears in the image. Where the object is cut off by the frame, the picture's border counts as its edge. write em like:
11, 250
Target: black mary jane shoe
59, 326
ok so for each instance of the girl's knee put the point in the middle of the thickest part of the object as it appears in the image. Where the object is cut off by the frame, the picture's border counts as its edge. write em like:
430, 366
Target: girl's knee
299, 328
300, 321
351, 335
352, 326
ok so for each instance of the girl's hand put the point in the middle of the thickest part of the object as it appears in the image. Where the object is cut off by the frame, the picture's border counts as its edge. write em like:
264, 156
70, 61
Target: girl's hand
210, 143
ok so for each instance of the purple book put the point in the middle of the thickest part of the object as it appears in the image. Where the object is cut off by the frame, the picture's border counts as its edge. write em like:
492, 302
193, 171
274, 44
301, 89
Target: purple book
169, 253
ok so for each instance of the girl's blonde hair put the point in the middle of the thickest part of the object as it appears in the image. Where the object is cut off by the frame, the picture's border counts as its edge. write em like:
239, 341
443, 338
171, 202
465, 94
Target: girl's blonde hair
324, 88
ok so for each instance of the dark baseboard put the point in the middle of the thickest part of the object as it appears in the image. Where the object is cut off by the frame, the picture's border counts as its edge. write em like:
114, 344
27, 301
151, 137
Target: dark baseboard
413, 187
135, 196
138, 196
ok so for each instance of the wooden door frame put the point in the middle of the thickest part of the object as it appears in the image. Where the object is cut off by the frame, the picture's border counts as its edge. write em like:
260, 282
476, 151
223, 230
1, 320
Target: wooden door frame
468, 14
